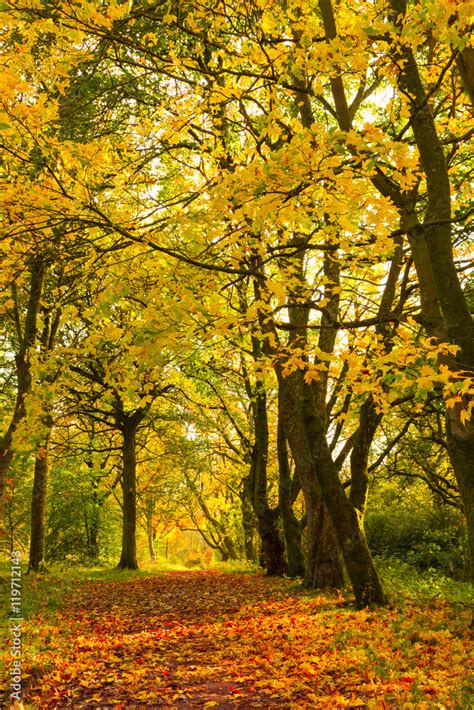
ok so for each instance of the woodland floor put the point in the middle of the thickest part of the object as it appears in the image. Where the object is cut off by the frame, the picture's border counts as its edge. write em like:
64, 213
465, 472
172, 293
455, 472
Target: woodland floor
212, 639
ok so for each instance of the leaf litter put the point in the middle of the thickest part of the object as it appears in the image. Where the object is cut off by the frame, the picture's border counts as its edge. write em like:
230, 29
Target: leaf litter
211, 639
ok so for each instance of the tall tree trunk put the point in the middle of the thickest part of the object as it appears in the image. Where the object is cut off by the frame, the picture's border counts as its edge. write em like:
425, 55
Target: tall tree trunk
368, 423
430, 243
128, 558
248, 521
346, 519
92, 522
460, 440
38, 507
94, 527
436, 266
296, 399
26, 336
291, 526
272, 547
151, 541
150, 529
40, 483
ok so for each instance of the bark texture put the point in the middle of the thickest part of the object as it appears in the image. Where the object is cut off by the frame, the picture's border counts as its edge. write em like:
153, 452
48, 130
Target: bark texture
38, 507
248, 521
306, 435
273, 550
128, 557
286, 497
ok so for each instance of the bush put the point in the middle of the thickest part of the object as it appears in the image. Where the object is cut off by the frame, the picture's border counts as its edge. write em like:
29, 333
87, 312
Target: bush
424, 538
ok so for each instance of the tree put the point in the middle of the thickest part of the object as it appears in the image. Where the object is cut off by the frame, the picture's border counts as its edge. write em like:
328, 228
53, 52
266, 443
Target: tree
111, 386
435, 262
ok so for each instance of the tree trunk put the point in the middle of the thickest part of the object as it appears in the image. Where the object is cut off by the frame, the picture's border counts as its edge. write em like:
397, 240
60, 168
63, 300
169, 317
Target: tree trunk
296, 399
272, 547
151, 541
248, 521
460, 440
323, 559
291, 526
346, 520
324, 562
26, 337
38, 507
94, 527
128, 558
229, 547
307, 438
148, 511
368, 423
465, 64
93, 523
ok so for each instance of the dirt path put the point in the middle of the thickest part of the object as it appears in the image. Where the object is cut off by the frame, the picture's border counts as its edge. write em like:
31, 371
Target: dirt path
207, 639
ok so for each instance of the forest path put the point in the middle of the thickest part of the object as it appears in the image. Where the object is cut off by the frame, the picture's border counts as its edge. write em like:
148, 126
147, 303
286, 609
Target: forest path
210, 639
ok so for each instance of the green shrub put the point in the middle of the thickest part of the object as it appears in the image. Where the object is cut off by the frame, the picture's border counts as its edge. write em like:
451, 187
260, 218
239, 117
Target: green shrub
424, 538
401, 581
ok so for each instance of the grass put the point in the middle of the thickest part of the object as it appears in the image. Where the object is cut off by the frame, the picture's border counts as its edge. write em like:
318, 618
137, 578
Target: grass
236, 567
42, 593
403, 582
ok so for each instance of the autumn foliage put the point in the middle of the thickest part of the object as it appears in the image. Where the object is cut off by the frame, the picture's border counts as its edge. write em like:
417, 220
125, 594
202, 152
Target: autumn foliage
236, 309
212, 639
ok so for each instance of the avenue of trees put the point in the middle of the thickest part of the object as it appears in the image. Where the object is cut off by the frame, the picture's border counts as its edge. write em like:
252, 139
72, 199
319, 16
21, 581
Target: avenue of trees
236, 287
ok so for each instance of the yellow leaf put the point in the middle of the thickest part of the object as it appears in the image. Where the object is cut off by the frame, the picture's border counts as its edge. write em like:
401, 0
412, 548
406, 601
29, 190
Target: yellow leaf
465, 416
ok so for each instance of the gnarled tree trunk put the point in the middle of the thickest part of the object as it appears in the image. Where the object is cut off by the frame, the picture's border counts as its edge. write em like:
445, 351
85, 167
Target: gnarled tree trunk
307, 438
323, 561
